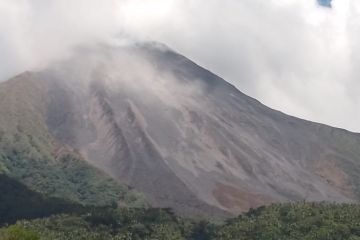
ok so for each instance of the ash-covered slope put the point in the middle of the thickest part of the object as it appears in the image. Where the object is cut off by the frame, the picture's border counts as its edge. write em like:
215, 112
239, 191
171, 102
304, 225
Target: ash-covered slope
187, 139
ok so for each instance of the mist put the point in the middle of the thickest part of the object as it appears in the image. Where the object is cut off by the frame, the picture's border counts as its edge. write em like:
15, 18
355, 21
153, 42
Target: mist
294, 56
35, 33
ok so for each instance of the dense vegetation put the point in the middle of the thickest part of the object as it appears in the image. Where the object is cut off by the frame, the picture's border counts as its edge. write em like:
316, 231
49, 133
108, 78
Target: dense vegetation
19, 202
320, 221
67, 176
308, 221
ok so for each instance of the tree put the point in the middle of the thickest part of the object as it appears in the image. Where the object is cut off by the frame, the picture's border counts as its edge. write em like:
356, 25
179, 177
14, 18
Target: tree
16, 232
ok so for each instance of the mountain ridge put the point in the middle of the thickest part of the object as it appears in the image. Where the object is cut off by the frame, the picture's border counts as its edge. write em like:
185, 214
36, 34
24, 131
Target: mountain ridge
154, 120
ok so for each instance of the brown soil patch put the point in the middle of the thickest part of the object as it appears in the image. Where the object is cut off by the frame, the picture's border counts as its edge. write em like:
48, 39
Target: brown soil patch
335, 176
236, 199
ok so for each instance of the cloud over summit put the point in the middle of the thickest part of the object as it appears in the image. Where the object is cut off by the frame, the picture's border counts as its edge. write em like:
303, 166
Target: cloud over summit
295, 56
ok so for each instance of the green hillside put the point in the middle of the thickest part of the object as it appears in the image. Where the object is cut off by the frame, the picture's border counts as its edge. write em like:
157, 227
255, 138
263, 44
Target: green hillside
19, 202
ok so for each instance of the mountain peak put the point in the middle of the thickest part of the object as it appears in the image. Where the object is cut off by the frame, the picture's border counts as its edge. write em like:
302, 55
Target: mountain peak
185, 138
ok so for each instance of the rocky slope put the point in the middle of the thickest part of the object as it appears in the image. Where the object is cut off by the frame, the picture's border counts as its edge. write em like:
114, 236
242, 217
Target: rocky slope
30, 155
185, 138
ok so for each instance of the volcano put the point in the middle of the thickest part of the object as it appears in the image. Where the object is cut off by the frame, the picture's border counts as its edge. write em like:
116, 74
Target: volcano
186, 139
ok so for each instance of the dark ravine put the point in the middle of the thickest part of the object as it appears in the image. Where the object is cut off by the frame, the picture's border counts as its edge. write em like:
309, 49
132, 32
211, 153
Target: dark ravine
187, 139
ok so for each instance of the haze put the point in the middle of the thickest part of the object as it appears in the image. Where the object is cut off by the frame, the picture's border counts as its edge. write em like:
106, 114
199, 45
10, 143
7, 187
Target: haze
295, 56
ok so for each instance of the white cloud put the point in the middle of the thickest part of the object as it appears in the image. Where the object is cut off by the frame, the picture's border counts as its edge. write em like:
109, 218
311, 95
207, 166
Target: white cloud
292, 55
34, 32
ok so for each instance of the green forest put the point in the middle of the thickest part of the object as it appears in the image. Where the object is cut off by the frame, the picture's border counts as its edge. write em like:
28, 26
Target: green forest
292, 221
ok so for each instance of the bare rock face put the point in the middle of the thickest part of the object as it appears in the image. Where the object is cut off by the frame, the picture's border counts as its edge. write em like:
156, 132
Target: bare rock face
189, 140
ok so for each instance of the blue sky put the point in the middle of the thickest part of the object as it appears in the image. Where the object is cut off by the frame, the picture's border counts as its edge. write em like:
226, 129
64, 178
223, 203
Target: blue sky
326, 3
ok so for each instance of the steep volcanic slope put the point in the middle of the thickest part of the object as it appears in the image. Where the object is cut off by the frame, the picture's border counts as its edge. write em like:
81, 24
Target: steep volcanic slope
30, 155
187, 139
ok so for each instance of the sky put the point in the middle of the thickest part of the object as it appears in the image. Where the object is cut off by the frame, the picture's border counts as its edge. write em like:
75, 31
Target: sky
325, 3
292, 55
